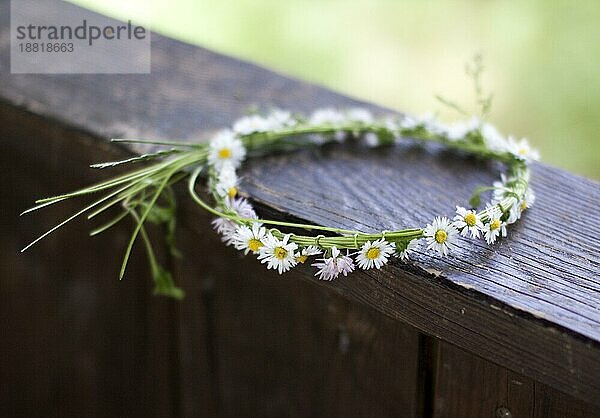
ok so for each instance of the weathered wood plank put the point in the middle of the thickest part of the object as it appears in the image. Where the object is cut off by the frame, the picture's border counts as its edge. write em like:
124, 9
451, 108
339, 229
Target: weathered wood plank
467, 385
451, 298
529, 303
197, 379
287, 348
76, 341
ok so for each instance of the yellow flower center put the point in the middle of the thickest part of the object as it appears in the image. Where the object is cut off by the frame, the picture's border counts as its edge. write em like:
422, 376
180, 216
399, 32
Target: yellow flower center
301, 258
254, 244
522, 151
441, 236
280, 253
224, 153
373, 253
495, 224
232, 192
523, 205
470, 219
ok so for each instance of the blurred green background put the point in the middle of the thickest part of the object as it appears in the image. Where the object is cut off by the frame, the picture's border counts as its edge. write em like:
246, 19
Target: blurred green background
542, 57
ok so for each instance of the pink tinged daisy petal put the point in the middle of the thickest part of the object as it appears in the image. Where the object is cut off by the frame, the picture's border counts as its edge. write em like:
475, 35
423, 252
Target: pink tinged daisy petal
329, 268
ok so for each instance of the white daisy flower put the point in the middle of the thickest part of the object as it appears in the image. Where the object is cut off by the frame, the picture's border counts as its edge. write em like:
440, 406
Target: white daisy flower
358, 114
279, 119
242, 207
467, 222
306, 252
528, 199
227, 181
331, 267
430, 122
225, 149
500, 189
225, 226
408, 122
340, 136
460, 129
371, 139
522, 150
327, 116
393, 125
493, 139
247, 125
374, 254
518, 206
514, 213
404, 254
441, 235
249, 239
278, 254
494, 227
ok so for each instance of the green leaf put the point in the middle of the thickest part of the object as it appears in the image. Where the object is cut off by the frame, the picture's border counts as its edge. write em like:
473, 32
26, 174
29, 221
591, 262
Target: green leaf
475, 137
385, 137
475, 200
164, 285
166, 215
170, 238
159, 214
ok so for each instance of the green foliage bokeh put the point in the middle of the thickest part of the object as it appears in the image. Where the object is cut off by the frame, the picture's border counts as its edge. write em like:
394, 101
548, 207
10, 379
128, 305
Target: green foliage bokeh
542, 56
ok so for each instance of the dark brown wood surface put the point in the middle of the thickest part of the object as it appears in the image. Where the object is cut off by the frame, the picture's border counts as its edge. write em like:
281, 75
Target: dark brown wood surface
530, 304
285, 348
75, 341
487, 390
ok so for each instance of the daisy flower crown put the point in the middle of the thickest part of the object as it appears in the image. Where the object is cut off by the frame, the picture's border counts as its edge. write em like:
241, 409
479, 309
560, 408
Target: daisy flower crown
146, 194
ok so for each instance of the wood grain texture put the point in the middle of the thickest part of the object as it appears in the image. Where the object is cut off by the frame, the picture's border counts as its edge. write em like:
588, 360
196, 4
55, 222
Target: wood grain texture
530, 303
281, 346
285, 348
467, 385
75, 340
196, 380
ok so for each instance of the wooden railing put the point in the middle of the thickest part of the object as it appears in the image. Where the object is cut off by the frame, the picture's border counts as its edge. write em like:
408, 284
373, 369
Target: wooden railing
511, 329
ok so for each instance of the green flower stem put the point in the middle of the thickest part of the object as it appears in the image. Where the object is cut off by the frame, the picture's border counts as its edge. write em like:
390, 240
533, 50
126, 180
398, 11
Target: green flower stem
109, 224
82, 211
159, 142
125, 199
141, 220
135, 188
137, 174
138, 158
175, 165
172, 170
261, 140
351, 242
